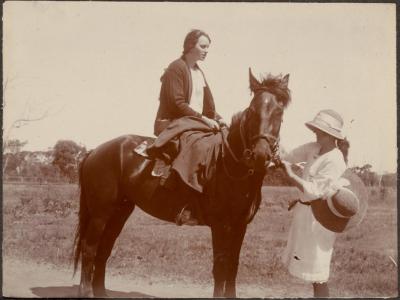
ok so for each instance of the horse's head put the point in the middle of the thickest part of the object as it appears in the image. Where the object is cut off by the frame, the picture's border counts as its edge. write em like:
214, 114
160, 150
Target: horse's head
262, 120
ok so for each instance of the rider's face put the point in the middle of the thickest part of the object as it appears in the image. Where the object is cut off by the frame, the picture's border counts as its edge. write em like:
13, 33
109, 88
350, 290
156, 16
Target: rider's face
200, 50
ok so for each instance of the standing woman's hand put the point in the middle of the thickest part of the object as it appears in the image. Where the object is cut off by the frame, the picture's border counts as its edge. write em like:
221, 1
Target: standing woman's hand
288, 168
296, 180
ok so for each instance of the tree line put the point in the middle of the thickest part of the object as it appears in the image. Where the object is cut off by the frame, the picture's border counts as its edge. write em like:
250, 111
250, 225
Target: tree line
61, 163
57, 164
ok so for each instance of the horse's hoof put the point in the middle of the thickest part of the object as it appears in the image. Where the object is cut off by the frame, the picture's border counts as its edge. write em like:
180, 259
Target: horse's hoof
100, 293
85, 293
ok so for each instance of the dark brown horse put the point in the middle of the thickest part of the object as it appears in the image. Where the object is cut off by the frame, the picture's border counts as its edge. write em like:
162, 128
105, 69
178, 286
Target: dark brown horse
114, 179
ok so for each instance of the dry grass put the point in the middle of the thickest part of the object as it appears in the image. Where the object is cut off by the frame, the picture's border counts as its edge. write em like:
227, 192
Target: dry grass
39, 223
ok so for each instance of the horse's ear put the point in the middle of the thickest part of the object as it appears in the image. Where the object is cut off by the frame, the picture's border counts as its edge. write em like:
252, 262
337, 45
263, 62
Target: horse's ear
254, 84
285, 80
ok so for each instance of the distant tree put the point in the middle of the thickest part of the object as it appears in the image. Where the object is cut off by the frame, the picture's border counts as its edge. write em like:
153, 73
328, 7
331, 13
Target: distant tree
26, 164
30, 169
277, 177
369, 177
67, 154
11, 149
49, 172
389, 180
14, 146
374, 179
10, 164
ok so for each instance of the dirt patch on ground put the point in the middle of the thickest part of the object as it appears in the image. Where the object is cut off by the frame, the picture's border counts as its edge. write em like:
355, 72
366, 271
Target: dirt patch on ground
31, 279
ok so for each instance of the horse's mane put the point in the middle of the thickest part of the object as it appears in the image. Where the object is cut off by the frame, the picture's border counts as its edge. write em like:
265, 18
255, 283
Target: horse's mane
272, 84
236, 119
276, 85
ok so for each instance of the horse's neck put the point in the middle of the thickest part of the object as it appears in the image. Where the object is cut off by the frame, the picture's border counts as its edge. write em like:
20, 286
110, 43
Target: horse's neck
236, 145
235, 141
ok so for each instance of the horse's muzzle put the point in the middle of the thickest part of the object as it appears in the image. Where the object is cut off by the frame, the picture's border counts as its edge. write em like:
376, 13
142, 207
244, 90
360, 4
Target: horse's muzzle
262, 155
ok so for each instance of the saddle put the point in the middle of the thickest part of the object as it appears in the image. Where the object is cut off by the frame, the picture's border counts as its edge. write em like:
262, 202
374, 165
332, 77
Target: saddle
162, 165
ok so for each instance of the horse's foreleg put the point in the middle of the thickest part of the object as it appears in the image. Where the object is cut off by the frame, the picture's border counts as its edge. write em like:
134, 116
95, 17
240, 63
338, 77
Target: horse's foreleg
238, 233
111, 232
89, 249
220, 241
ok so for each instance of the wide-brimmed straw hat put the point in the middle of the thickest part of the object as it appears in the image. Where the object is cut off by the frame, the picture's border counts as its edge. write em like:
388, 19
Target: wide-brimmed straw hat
346, 208
328, 121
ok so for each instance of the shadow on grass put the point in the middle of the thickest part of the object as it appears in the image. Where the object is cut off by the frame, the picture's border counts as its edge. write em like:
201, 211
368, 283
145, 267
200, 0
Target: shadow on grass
72, 292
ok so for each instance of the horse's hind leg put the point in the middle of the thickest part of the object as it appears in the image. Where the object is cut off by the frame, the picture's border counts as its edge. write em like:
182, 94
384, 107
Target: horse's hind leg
89, 248
111, 232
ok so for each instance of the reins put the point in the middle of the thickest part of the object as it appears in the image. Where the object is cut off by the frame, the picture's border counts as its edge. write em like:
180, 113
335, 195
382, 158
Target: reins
225, 145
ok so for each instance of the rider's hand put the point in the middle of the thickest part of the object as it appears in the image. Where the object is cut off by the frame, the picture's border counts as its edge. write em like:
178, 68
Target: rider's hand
210, 122
222, 123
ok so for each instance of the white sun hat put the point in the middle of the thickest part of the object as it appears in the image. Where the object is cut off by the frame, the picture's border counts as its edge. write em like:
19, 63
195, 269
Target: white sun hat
329, 121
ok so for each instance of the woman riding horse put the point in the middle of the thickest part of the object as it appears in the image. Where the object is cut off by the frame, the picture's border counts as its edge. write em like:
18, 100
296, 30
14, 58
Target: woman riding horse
185, 92
114, 179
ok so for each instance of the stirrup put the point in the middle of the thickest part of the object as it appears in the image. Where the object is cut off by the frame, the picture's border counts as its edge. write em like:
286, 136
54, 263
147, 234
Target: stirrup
161, 170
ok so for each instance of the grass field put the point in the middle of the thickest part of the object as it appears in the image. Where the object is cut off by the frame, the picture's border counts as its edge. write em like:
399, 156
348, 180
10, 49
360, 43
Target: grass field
39, 222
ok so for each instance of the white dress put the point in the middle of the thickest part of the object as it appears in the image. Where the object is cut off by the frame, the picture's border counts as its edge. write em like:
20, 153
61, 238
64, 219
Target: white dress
309, 246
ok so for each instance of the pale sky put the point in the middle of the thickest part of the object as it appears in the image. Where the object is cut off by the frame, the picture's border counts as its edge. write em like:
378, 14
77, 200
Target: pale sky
96, 67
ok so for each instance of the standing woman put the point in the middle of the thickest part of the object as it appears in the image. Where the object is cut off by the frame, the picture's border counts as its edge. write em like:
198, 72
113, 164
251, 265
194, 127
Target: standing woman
309, 248
184, 89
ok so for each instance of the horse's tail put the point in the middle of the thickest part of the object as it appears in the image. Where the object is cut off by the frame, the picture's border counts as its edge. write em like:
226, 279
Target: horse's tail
83, 218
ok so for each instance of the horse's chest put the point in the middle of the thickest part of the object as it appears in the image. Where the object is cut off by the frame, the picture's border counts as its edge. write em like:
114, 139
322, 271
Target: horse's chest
239, 199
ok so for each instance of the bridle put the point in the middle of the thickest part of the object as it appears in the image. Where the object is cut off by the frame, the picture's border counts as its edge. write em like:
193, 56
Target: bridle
248, 155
